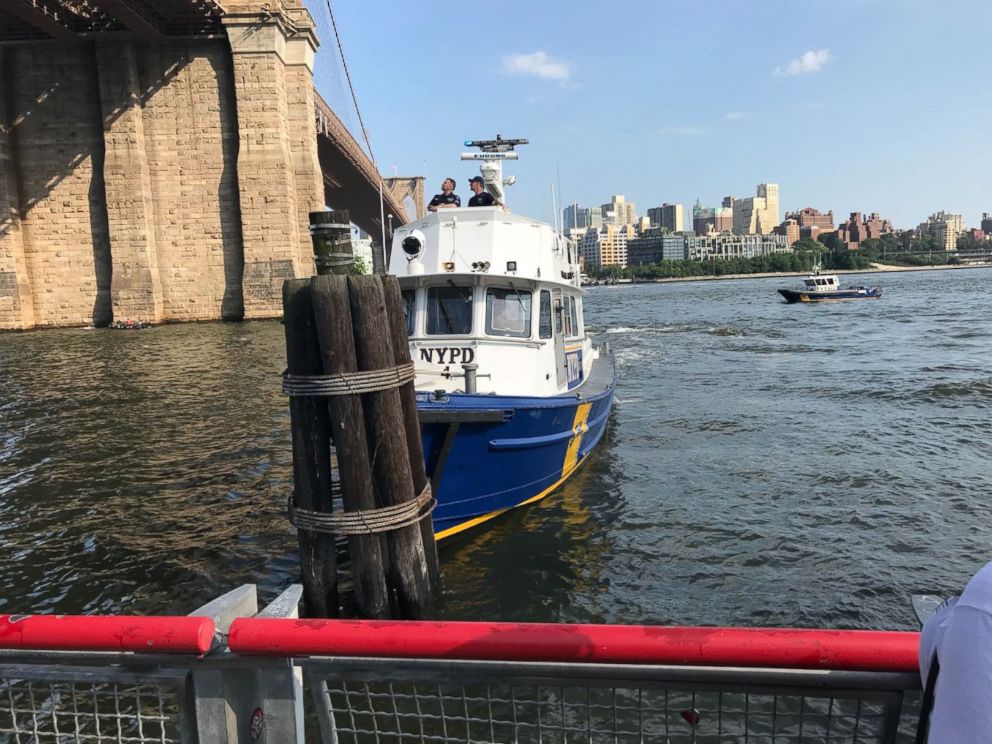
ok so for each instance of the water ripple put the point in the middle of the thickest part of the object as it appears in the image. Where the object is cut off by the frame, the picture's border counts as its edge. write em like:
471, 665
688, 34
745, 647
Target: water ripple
765, 464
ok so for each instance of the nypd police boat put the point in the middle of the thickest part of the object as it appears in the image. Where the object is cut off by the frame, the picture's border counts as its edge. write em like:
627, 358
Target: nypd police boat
819, 287
511, 393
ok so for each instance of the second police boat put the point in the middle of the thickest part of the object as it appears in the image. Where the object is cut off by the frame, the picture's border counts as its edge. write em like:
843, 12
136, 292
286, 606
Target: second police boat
512, 394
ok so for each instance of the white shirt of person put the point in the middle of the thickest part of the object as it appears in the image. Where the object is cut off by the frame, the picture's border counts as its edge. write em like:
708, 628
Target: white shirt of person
961, 634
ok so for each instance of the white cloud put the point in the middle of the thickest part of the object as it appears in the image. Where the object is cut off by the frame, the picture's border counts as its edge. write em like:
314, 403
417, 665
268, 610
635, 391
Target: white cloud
738, 115
538, 64
680, 131
811, 61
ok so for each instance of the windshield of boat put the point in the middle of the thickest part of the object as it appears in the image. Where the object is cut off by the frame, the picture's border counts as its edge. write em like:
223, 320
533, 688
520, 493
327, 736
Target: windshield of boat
449, 310
508, 312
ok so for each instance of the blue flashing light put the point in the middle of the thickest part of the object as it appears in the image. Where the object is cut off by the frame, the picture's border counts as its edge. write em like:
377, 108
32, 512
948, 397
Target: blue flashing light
468, 143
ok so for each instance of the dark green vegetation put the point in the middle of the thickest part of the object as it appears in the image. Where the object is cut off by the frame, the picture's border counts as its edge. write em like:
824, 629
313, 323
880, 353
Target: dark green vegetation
898, 249
789, 262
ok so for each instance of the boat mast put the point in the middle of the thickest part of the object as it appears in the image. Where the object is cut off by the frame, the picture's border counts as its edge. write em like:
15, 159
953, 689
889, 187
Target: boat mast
493, 153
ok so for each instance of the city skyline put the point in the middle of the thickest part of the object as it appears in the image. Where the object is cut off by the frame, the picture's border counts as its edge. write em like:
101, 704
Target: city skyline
835, 116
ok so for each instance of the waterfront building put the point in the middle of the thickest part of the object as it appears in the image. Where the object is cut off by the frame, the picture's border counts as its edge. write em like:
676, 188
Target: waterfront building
657, 244
643, 225
606, 245
574, 216
757, 214
724, 219
986, 223
857, 230
703, 218
668, 215
789, 228
576, 235
727, 245
810, 217
619, 211
944, 226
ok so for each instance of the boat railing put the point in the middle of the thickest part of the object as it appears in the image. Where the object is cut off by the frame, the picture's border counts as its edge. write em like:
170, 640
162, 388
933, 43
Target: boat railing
270, 677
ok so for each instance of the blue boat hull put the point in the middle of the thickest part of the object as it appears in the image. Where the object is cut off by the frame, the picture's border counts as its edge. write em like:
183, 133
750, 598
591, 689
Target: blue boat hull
798, 295
491, 453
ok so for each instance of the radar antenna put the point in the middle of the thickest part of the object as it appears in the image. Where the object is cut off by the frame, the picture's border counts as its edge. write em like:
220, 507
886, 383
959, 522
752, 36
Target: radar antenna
496, 145
494, 152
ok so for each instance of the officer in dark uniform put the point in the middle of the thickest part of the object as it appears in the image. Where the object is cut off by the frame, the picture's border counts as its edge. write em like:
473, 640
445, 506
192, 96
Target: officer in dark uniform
482, 197
447, 198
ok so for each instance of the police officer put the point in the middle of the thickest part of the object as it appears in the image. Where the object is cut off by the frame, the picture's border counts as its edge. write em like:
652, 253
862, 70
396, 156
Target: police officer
956, 666
447, 198
482, 197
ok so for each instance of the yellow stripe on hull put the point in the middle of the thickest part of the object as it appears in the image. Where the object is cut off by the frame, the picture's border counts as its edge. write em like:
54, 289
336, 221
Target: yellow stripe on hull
841, 299
571, 464
579, 427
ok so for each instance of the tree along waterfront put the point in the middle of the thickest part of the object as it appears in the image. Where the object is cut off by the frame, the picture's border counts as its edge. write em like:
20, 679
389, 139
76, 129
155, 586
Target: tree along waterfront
831, 254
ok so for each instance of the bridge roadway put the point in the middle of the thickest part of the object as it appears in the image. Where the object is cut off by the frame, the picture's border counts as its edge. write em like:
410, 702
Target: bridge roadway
158, 159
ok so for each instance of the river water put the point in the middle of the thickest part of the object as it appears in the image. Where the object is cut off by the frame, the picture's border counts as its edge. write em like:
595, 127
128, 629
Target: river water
765, 464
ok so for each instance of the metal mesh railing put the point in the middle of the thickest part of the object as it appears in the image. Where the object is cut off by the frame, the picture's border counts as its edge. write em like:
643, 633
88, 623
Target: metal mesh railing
472, 702
69, 679
59, 704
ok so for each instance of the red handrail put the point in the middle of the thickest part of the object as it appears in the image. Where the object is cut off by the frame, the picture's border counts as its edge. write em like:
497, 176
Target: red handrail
864, 650
172, 635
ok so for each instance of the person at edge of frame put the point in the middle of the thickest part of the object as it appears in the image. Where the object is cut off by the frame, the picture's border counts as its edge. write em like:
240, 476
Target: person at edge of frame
956, 667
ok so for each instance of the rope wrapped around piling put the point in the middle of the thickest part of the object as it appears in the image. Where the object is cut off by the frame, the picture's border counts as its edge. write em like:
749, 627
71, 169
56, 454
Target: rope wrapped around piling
364, 522
348, 383
333, 260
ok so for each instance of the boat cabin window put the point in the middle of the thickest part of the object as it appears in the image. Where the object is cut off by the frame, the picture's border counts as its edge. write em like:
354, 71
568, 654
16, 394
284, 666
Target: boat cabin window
571, 317
409, 307
449, 311
544, 322
573, 311
809, 282
508, 312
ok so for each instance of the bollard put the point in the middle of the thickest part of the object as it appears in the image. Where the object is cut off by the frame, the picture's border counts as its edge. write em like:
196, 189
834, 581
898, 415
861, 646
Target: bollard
330, 233
471, 371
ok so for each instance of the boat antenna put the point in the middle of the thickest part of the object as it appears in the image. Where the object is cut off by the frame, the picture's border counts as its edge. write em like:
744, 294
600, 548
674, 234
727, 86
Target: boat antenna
554, 207
493, 153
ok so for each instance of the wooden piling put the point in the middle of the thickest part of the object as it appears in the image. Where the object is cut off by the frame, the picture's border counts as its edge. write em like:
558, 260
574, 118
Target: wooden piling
330, 234
311, 453
411, 423
386, 432
332, 313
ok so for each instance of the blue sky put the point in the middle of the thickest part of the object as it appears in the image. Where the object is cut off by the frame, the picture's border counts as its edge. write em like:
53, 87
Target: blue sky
850, 105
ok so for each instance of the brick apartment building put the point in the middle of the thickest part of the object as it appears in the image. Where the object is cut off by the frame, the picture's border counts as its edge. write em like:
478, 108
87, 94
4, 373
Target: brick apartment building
857, 230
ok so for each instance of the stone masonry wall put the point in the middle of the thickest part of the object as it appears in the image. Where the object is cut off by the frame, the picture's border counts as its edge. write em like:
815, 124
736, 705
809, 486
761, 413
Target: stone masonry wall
53, 104
191, 141
16, 307
157, 182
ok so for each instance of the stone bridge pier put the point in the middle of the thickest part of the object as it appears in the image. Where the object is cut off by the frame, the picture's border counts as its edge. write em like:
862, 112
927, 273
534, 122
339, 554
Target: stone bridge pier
153, 165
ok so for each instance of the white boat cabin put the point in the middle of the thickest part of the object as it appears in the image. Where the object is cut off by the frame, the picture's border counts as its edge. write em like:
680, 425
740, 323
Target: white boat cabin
486, 287
821, 283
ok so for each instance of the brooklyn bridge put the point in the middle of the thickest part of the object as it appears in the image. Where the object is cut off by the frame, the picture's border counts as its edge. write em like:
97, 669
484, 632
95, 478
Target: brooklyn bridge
159, 158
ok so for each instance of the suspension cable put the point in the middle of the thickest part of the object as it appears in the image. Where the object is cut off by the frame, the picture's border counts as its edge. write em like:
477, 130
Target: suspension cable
365, 134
